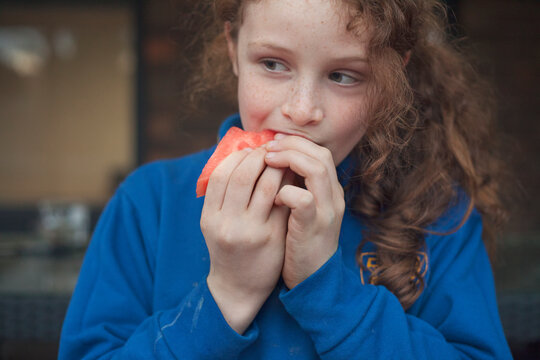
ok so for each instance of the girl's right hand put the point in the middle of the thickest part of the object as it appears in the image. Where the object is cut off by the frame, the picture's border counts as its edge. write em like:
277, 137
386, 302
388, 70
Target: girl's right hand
244, 233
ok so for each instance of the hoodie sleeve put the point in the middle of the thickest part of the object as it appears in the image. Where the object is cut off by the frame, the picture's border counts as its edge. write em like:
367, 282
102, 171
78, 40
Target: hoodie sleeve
456, 316
111, 316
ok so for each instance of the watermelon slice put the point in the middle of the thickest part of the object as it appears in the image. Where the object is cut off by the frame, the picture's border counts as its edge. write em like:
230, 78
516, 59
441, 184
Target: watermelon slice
235, 139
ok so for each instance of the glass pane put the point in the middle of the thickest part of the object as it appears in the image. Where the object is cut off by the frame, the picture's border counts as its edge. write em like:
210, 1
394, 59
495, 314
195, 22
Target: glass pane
66, 102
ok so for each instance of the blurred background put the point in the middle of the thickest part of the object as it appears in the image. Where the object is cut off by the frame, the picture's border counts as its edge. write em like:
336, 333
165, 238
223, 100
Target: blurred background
89, 90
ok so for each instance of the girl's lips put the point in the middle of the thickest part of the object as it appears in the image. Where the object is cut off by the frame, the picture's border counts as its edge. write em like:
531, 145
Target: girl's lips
293, 134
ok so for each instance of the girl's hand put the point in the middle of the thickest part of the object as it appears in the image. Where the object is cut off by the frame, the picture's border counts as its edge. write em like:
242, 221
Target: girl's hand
316, 211
244, 233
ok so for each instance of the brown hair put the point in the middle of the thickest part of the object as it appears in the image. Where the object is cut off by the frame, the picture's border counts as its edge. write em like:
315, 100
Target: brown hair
431, 130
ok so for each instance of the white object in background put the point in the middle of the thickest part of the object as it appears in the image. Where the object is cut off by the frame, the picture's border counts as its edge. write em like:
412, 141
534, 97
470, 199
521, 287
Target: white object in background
64, 223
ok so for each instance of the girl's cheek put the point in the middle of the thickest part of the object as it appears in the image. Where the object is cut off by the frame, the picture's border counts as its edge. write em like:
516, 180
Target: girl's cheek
256, 102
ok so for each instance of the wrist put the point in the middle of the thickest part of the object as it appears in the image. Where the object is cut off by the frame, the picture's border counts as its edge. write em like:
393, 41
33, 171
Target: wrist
237, 308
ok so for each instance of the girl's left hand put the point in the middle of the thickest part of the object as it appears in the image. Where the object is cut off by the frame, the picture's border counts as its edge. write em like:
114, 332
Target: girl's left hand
316, 211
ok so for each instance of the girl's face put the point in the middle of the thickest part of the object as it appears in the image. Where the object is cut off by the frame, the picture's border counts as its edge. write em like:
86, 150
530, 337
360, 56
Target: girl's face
300, 72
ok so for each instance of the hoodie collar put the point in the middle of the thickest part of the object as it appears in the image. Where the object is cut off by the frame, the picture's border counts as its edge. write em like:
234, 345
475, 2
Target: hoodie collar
229, 122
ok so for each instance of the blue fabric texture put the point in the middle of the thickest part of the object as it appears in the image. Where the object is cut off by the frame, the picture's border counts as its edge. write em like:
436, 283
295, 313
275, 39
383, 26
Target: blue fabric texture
142, 291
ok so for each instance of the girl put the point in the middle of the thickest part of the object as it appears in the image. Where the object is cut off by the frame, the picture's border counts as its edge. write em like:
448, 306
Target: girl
356, 233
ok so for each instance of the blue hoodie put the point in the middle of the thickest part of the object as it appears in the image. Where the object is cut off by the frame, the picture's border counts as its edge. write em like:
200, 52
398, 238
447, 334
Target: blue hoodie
142, 291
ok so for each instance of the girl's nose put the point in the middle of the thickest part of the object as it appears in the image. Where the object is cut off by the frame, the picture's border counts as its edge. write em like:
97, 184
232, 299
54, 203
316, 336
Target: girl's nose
302, 106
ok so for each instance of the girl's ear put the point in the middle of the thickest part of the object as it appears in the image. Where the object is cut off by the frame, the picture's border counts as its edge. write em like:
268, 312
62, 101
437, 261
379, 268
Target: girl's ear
406, 58
231, 45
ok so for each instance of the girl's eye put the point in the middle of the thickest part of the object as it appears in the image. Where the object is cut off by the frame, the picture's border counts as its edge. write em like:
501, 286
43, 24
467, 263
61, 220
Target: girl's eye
273, 65
342, 78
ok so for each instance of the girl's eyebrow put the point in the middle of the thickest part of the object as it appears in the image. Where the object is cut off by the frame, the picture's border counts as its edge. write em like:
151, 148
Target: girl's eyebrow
349, 59
274, 47
268, 46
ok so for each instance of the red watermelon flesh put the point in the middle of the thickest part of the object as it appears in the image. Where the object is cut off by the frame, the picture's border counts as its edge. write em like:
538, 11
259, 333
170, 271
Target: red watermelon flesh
234, 140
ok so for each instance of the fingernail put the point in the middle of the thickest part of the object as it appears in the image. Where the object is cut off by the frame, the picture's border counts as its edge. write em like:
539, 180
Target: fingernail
270, 155
248, 149
279, 136
271, 144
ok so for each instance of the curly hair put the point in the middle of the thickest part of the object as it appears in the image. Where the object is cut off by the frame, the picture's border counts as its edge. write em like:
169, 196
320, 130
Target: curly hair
431, 129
